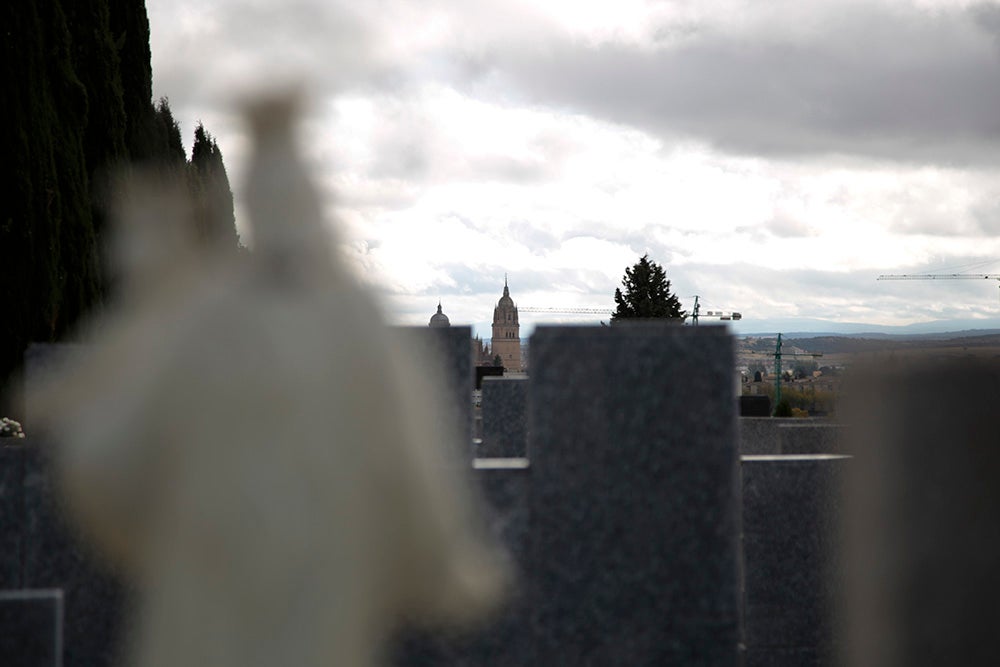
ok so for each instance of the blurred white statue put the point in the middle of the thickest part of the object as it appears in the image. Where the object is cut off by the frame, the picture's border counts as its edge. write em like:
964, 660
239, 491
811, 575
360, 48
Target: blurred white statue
249, 443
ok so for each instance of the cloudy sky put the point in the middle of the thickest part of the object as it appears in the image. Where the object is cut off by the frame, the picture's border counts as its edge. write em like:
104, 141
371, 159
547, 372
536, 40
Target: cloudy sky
774, 156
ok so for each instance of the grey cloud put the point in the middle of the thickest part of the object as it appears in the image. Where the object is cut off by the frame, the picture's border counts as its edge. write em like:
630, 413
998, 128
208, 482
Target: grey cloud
987, 15
889, 83
781, 227
986, 216
786, 227
507, 169
533, 235
488, 280
755, 233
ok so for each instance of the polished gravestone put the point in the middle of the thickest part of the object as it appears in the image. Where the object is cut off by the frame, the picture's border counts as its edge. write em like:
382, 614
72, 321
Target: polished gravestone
53, 557
505, 418
635, 496
504, 639
12, 513
31, 628
51, 554
792, 566
811, 438
450, 348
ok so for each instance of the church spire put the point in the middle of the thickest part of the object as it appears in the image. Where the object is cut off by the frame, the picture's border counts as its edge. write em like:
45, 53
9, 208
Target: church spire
506, 291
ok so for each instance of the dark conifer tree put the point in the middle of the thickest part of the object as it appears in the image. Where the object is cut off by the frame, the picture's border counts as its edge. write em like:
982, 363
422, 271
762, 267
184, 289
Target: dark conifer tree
130, 31
647, 294
77, 86
212, 195
47, 240
168, 147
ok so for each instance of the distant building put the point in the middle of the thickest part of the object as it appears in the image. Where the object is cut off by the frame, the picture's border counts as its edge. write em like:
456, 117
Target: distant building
505, 347
439, 319
506, 341
481, 355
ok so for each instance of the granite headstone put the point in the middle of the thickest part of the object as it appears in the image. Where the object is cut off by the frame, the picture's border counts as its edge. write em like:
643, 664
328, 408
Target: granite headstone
811, 438
31, 627
791, 551
54, 557
635, 496
505, 418
450, 346
12, 513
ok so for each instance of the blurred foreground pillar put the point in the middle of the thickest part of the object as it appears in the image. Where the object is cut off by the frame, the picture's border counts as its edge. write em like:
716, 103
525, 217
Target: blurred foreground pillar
924, 508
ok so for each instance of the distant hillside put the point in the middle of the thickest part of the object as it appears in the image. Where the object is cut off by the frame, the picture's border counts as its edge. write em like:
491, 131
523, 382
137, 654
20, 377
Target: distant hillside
852, 345
880, 343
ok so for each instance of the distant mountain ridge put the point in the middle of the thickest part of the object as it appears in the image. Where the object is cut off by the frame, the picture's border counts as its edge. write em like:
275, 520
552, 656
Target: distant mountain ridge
839, 344
812, 328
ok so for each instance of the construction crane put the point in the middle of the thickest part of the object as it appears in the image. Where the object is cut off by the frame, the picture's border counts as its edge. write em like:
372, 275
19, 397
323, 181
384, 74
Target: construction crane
939, 276
778, 355
570, 311
721, 314
695, 314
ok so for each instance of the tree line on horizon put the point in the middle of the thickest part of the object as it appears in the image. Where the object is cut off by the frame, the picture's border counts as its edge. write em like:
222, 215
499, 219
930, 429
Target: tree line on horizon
78, 111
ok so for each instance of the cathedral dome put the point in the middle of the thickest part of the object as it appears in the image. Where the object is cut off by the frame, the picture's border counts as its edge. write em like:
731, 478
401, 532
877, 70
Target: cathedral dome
439, 319
505, 300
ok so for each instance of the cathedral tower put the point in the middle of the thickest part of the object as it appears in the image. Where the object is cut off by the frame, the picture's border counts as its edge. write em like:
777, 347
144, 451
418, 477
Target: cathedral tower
506, 331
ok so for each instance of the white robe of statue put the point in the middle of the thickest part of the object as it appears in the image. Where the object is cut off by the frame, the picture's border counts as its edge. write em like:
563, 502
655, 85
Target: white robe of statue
247, 440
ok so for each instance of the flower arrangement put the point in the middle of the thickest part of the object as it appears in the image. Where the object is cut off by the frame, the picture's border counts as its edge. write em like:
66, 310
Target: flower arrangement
10, 428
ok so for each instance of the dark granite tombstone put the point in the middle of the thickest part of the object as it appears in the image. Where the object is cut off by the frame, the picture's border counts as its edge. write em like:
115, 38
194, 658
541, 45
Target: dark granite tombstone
451, 347
54, 557
12, 512
811, 438
759, 435
924, 506
503, 640
755, 406
764, 436
49, 553
633, 556
791, 550
483, 372
505, 418
31, 627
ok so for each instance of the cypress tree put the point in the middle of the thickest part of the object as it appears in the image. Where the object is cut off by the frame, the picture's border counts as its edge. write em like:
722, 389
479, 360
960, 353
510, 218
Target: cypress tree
129, 25
47, 240
77, 88
168, 148
211, 193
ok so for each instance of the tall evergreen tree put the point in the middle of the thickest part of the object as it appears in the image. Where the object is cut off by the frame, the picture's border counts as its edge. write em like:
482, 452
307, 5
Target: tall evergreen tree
211, 193
165, 137
130, 30
47, 241
77, 88
647, 294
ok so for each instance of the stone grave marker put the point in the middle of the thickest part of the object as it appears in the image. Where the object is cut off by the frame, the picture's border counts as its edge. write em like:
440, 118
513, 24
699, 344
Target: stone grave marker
505, 418
791, 554
811, 438
635, 496
12, 512
447, 348
31, 628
